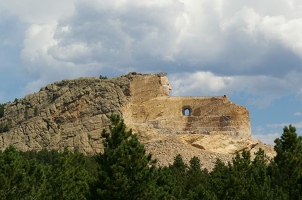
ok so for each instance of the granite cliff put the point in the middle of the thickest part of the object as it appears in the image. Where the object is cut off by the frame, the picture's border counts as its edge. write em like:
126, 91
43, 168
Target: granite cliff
73, 113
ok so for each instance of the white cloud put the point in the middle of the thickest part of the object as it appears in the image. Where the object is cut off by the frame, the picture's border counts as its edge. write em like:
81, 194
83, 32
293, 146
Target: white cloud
268, 133
76, 53
203, 83
262, 90
32, 11
274, 131
297, 125
41, 67
38, 39
299, 93
217, 47
207, 47
267, 138
298, 114
284, 30
126, 31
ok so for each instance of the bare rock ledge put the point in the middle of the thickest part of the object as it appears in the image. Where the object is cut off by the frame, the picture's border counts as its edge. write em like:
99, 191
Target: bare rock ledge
73, 113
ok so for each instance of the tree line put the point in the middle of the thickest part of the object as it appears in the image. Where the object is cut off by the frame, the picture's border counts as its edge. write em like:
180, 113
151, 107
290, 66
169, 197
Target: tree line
125, 171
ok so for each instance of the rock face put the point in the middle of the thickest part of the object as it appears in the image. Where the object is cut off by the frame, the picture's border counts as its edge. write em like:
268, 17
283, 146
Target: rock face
70, 113
73, 113
150, 103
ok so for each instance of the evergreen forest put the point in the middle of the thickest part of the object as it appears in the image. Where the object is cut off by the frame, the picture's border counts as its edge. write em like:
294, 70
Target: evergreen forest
125, 171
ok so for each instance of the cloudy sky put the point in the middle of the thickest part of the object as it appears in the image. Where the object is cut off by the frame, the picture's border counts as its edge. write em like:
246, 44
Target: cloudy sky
249, 50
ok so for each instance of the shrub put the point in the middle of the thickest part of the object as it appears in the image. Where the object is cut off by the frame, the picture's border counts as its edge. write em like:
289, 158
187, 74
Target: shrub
2, 110
4, 127
103, 77
36, 111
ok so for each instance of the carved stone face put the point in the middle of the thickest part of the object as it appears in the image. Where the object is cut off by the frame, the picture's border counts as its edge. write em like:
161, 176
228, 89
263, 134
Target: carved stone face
165, 84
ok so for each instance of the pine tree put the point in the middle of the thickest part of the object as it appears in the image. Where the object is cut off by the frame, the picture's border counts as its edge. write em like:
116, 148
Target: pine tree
2, 110
178, 177
220, 180
125, 171
194, 173
243, 178
19, 177
260, 177
67, 177
288, 161
197, 181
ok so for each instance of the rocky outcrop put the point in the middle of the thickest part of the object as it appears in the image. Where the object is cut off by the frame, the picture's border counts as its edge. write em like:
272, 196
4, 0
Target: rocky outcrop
150, 103
73, 113
69, 113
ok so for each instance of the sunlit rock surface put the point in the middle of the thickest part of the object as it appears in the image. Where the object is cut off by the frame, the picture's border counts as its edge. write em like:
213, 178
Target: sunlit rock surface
73, 113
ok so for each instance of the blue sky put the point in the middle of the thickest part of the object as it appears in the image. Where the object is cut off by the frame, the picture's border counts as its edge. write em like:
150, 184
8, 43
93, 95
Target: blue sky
248, 50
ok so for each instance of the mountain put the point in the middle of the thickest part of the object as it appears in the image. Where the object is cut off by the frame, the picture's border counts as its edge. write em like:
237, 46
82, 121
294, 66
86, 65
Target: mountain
73, 113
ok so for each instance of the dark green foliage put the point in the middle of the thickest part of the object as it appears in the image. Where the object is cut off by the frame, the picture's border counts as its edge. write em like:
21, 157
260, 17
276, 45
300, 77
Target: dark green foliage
219, 179
178, 176
1, 110
4, 127
44, 175
67, 178
26, 114
288, 163
172, 180
44, 157
36, 111
261, 178
103, 77
20, 178
244, 178
198, 181
165, 183
182, 181
125, 171
194, 173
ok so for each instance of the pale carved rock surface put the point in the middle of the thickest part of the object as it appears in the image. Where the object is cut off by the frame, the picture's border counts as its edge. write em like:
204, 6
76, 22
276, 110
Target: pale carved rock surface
73, 113
69, 113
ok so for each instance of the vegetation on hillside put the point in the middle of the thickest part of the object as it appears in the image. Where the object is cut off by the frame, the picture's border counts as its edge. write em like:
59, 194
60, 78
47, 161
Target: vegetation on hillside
1, 110
4, 126
103, 77
125, 171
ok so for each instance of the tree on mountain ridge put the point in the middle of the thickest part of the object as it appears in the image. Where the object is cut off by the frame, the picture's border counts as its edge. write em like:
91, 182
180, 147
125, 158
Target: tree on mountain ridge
1, 110
125, 171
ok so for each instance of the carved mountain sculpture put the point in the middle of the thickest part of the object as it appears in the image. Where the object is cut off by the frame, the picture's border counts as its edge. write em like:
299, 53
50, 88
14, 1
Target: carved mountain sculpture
73, 113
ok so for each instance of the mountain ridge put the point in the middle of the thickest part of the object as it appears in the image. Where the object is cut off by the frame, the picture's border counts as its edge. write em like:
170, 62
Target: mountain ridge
73, 113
